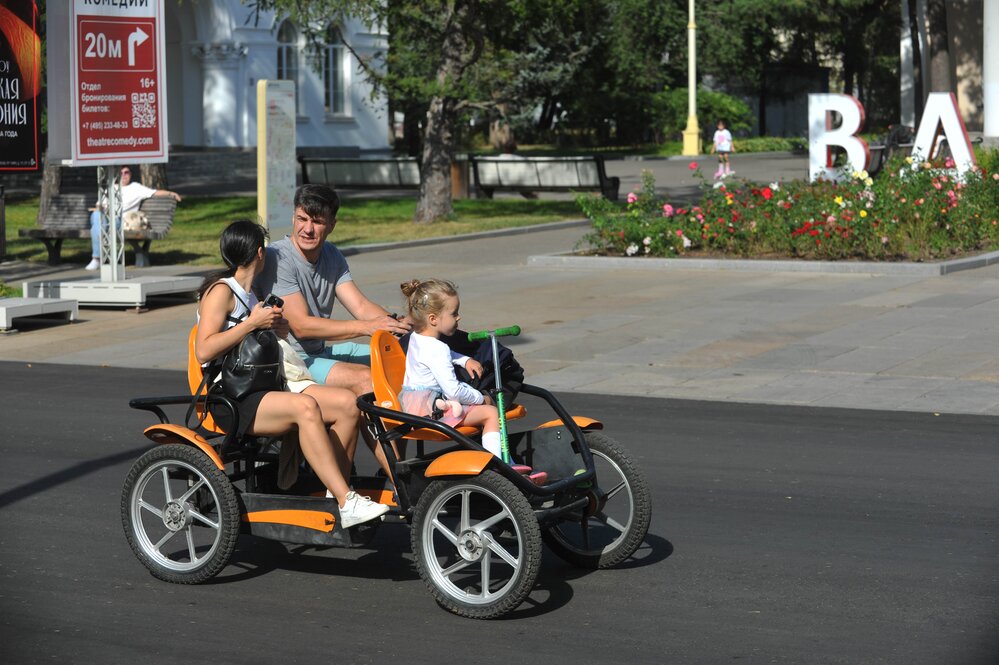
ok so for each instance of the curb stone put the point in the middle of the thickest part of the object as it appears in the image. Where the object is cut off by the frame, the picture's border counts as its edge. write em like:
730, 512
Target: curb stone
913, 269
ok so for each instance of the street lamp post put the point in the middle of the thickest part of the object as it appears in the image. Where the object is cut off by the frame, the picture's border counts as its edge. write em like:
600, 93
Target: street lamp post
692, 134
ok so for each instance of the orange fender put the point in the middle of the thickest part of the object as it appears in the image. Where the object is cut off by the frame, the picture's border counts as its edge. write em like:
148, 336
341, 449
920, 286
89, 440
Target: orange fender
583, 422
459, 463
167, 433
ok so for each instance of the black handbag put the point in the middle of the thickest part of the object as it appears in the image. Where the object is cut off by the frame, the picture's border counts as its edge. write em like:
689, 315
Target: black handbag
253, 365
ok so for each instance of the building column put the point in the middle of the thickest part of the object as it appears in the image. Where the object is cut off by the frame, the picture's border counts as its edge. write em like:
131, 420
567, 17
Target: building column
990, 72
224, 99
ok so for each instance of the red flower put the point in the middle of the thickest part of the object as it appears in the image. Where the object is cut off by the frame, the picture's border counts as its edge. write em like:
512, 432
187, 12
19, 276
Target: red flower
767, 193
692, 166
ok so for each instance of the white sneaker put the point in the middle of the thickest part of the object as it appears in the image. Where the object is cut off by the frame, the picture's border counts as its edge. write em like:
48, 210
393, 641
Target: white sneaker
358, 509
94, 264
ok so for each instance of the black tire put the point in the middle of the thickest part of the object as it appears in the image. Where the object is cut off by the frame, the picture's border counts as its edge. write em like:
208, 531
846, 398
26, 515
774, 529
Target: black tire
473, 528
618, 520
180, 514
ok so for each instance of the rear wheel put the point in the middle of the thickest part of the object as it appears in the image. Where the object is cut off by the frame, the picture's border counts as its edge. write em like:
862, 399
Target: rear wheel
615, 522
477, 545
180, 514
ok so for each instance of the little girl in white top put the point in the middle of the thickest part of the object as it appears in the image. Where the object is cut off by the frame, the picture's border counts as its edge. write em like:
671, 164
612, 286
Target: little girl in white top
433, 309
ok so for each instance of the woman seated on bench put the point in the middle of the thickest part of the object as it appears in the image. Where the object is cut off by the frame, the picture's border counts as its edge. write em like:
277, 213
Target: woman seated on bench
132, 196
225, 317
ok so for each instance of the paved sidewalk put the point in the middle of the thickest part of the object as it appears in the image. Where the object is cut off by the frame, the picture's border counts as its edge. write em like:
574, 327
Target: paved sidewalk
861, 341
897, 342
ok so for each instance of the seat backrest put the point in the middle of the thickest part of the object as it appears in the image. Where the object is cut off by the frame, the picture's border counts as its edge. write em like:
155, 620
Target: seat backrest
388, 369
194, 378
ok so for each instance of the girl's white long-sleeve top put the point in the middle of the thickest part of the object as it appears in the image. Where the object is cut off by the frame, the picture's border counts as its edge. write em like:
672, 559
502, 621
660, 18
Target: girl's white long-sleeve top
429, 366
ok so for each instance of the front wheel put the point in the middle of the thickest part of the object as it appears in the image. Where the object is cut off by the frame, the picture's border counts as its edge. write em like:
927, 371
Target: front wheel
180, 514
477, 545
615, 522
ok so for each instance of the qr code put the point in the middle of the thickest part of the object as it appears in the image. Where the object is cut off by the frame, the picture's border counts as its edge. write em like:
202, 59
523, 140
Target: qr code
143, 109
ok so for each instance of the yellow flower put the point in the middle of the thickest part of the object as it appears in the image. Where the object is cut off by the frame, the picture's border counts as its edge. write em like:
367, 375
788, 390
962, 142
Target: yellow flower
908, 160
863, 213
856, 174
838, 200
869, 182
863, 175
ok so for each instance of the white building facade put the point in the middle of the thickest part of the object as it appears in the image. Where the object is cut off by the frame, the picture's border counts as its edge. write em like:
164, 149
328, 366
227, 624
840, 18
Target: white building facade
216, 53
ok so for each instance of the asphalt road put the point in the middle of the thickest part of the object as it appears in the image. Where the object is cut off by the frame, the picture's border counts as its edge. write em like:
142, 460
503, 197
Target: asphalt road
779, 535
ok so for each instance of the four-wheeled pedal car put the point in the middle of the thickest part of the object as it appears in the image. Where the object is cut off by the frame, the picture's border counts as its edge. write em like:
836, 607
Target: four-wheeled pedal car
477, 523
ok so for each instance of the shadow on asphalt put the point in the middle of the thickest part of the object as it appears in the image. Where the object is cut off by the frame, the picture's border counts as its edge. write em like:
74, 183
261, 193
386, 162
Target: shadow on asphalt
67, 475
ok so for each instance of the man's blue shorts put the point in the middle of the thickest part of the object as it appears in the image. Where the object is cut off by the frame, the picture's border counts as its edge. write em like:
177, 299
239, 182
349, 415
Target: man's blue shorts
347, 352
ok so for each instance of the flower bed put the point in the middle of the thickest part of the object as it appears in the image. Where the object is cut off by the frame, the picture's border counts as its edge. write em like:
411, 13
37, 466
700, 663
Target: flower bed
910, 211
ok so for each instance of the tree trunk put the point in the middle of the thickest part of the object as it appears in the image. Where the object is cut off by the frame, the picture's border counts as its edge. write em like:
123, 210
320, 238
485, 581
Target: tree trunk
936, 19
438, 133
154, 175
435, 163
51, 177
917, 59
501, 136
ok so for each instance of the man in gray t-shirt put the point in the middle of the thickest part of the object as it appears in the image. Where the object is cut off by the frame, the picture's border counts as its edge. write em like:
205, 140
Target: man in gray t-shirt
311, 274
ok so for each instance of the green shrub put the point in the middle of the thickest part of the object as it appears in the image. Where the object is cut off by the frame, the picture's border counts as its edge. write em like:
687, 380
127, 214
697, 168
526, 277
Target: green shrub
669, 110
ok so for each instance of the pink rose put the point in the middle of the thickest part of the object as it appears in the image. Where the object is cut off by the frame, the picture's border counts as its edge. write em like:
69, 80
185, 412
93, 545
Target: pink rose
632, 197
667, 210
692, 166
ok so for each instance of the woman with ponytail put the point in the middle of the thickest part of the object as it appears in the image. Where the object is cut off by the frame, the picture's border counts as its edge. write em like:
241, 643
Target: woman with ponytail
225, 317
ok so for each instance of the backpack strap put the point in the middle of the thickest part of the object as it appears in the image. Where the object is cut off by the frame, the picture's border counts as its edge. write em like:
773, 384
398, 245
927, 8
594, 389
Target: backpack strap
214, 367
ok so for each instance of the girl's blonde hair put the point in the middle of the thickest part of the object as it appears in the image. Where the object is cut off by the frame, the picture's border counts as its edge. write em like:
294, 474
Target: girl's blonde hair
426, 297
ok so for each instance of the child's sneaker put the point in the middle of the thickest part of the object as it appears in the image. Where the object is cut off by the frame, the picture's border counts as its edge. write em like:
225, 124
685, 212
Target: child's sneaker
358, 509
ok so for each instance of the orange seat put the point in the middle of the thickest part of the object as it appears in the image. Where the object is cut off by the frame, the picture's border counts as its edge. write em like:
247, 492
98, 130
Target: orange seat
194, 378
388, 369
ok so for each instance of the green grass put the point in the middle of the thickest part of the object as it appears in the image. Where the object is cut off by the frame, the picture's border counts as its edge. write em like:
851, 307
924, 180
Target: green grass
193, 240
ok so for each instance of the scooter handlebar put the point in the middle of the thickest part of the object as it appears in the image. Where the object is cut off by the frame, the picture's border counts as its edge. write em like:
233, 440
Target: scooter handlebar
509, 331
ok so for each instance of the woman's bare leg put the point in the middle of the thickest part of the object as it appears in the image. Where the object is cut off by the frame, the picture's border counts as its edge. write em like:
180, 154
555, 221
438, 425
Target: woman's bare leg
280, 411
340, 412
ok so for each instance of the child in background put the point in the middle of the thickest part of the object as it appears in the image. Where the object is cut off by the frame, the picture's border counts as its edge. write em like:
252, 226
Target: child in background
430, 383
722, 145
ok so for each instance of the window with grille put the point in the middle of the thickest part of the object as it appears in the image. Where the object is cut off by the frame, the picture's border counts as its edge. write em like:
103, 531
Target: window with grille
336, 73
288, 68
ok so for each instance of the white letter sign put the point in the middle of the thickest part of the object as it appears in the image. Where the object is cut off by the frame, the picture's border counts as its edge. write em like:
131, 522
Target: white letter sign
821, 136
941, 111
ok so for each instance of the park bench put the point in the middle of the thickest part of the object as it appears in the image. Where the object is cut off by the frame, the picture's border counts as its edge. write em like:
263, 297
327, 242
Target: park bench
361, 172
68, 216
525, 175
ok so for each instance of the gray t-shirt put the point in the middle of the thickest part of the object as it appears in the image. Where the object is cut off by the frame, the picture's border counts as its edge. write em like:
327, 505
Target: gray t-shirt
286, 272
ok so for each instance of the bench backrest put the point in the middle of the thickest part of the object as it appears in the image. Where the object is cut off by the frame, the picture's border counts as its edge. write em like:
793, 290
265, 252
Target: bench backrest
537, 172
347, 172
159, 211
72, 211
69, 211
